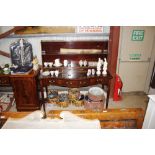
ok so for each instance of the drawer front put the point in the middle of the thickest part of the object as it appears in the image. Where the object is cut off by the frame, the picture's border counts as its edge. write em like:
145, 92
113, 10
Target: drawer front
4, 81
84, 83
99, 80
58, 82
46, 82
50, 82
72, 83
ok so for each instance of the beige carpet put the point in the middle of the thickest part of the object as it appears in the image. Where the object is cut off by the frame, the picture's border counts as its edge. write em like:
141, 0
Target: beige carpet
130, 100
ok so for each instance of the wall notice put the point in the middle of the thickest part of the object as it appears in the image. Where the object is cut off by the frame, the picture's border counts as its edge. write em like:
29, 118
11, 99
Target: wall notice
135, 56
137, 35
89, 29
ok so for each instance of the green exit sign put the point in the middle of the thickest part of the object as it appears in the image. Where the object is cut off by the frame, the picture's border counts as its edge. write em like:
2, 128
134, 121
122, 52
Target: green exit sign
138, 35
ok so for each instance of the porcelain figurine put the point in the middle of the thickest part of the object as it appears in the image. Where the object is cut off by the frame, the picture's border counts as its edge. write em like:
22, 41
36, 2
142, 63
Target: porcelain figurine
35, 63
50, 64
57, 62
81, 63
105, 64
93, 71
52, 73
57, 73
85, 63
46, 64
104, 72
89, 72
65, 63
98, 72
105, 67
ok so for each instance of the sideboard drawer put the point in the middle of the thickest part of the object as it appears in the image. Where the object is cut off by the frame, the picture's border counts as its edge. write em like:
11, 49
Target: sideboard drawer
99, 80
4, 81
50, 81
72, 83
84, 83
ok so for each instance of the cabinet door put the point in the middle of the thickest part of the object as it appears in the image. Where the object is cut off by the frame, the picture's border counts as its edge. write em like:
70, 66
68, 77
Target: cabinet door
25, 93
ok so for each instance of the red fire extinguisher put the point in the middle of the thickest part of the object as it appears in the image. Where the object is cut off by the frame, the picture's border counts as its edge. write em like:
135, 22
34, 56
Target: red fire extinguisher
117, 89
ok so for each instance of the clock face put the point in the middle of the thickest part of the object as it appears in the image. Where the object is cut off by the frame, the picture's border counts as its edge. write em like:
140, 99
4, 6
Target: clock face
21, 55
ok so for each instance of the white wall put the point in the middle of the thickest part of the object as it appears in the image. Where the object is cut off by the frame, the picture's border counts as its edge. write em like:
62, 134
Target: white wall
5, 28
136, 74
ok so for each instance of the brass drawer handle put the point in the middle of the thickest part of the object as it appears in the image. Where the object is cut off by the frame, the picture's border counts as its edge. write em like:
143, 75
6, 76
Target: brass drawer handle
52, 81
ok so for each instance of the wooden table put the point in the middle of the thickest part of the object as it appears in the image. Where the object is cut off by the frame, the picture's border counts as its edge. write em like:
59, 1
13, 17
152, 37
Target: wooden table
74, 78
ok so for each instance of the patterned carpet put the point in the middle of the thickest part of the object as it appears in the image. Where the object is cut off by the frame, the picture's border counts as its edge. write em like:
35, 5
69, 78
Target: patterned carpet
6, 102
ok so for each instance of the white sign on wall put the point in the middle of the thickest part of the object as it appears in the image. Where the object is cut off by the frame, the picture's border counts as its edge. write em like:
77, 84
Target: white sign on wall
92, 29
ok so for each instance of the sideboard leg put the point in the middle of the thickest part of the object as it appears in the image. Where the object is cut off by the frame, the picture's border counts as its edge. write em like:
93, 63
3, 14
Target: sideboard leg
46, 90
108, 93
42, 98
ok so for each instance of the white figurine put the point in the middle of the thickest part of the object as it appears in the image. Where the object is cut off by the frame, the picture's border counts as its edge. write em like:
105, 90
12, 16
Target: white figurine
104, 72
93, 71
52, 73
56, 73
89, 72
105, 64
105, 67
85, 63
80, 63
65, 63
100, 61
50, 64
98, 72
99, 66
35, 63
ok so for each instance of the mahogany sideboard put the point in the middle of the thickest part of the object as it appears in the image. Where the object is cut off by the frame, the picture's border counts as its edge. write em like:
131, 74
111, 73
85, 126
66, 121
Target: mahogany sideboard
73, 78
25, 89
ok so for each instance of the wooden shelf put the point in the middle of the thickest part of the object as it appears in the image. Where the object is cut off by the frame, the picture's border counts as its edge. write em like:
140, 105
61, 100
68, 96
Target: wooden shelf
103, 53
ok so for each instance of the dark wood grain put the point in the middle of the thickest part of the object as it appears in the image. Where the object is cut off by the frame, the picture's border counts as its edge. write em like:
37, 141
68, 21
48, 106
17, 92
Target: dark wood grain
25, 89
5, 54
54, 46
7, 33
52, 50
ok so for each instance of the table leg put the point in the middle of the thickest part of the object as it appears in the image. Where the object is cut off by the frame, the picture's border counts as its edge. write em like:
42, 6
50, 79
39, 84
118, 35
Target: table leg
43, 102
46, 90
107, 99
108, 93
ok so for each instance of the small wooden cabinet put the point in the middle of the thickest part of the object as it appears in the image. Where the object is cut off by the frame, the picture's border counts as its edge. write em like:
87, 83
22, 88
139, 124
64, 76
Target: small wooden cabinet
25, 89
